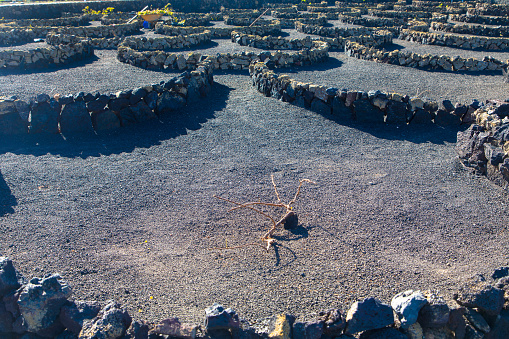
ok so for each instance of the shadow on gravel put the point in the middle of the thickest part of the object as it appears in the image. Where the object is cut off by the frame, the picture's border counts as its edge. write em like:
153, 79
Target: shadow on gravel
124, 139
7, 200
417, 134
331, 63
50, 68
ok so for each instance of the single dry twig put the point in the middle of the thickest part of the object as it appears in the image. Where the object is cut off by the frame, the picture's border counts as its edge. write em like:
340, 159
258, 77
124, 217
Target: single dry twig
267, 237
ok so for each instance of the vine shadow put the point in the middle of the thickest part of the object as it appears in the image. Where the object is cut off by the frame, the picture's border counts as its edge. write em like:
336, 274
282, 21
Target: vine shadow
124, 139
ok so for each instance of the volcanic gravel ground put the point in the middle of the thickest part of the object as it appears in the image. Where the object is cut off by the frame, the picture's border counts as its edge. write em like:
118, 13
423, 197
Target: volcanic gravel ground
131, 215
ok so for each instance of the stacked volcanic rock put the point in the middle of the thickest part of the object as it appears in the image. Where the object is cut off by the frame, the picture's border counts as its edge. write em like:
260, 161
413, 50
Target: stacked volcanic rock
101, 31
164, 43
244, 21
246, 13
427, 61
348, 106
66, 21
489, 9
41, 308
469, 29
272, 42
481, 19
98, 43
280, 43
401, 14
290, 23
218, 32
86, 114
334, 32
456, 41
484, 146
43, 57
371, 22
16, 36
293, 14
318, 52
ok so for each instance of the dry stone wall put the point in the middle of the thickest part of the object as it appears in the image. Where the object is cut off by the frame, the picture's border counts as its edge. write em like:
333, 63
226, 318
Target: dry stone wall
270, 42
16, 36
102, 31
291, 23
64, 21
86, 113
333, 32
427, 61
98, 43
218, 32
279, 43
368, 107
484, 146
223, 61
165, 43
401, 14
46, 56
243, 21
489, 9
499, 31
43, 306
371, 22
481, 19
456, 41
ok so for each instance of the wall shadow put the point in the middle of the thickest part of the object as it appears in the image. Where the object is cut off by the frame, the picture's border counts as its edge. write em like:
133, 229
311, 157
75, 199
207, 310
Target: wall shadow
49, 68
328, 64
124, 139
415, 133
7, 200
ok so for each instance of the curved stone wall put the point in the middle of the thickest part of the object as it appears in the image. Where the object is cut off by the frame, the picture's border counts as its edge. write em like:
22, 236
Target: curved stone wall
97, 43
16, 36
371, 22
481, 19
456, 41
401, 14
270, 42
293, 14
223, 61
279, 43
218, 32
370, 107
333, 32
243, 21
500, 31
102, 31
65, 21
165, 43
427, 61
489, 9
291, 23
83, 114
46, 56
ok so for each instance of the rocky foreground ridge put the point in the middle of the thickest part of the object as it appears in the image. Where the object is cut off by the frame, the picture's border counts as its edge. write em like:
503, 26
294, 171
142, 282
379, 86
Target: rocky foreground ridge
44, 308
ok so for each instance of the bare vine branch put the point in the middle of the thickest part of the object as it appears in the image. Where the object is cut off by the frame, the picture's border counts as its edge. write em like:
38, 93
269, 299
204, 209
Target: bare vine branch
267, 237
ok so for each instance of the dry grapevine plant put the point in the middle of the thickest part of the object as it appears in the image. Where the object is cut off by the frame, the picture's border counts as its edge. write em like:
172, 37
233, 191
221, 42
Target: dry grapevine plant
288, 221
